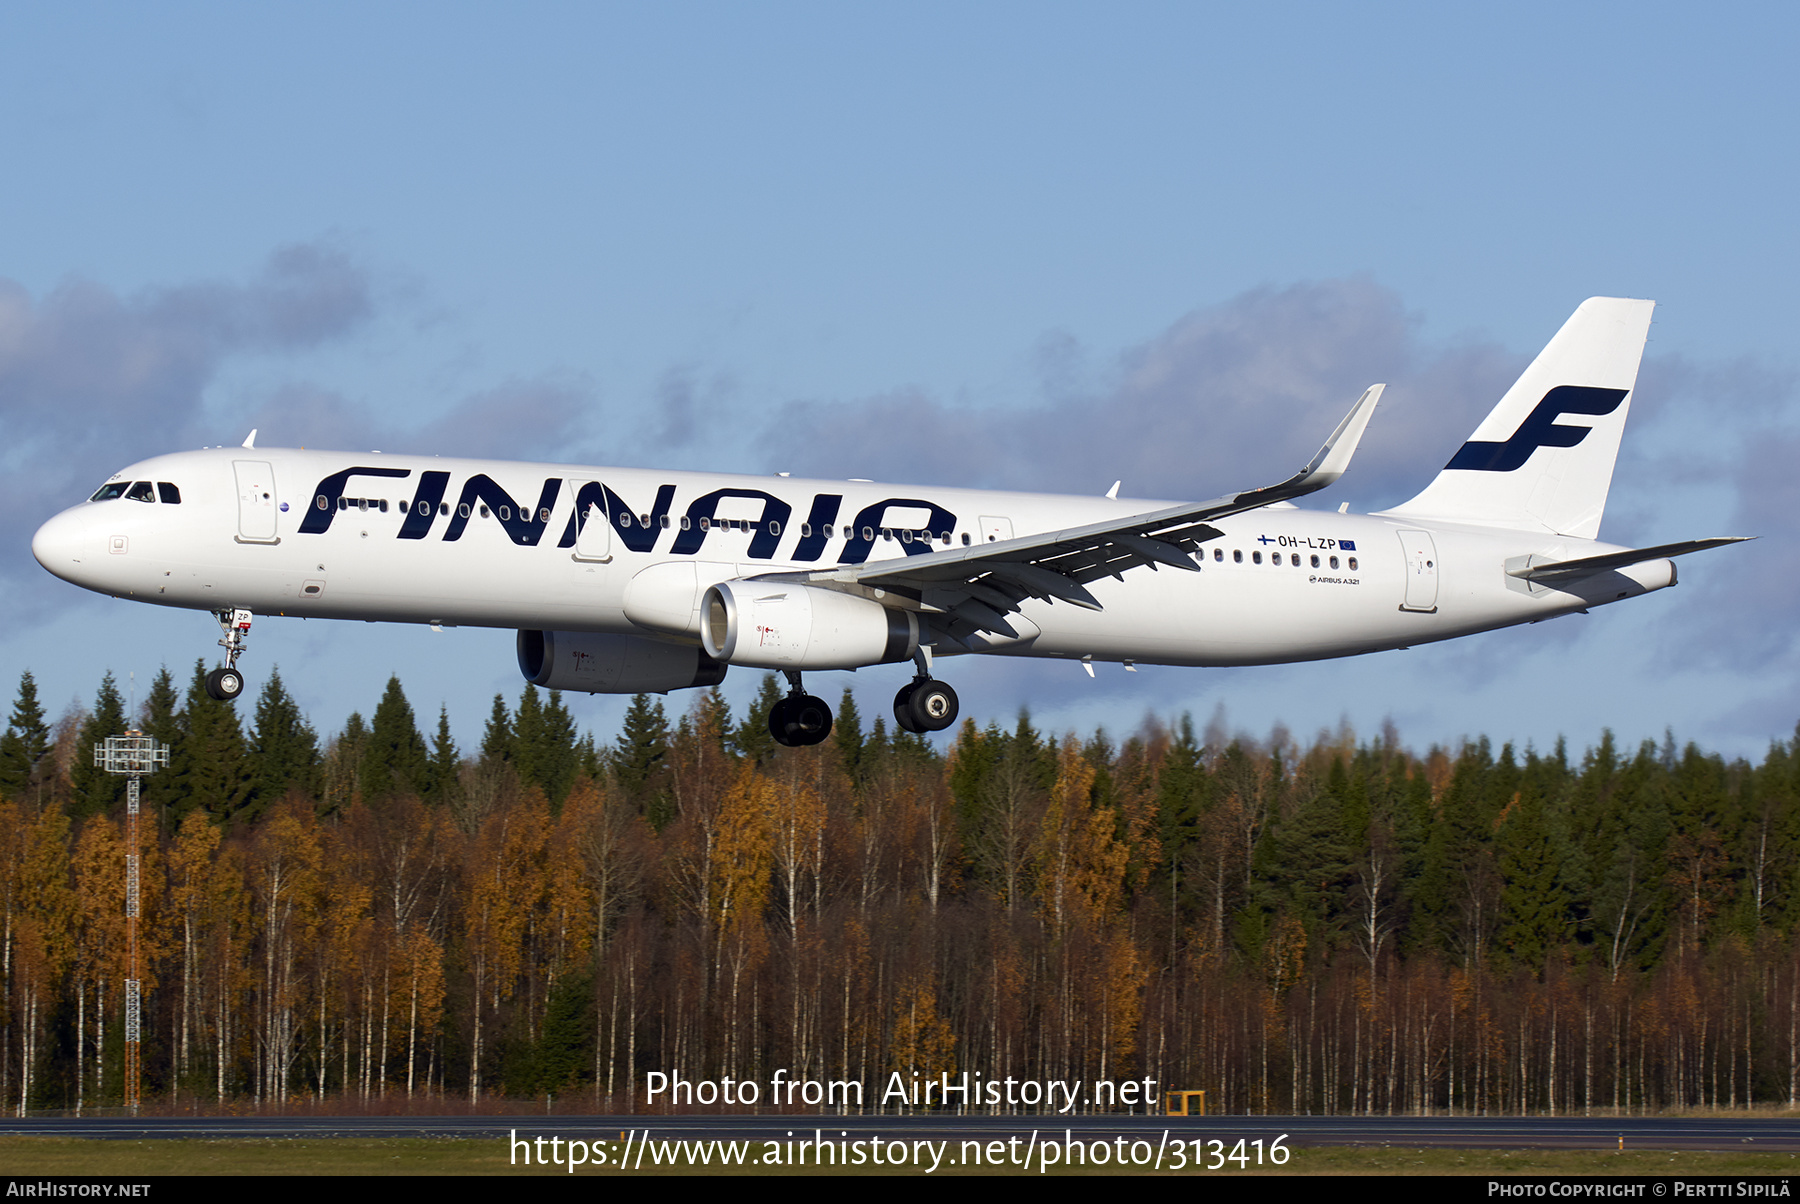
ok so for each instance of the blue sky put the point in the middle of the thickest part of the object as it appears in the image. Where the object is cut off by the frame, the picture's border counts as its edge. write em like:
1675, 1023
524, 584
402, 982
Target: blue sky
1030, 245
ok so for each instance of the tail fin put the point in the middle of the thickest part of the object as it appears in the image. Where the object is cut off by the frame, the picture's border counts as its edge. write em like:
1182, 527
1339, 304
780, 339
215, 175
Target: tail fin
1527, 465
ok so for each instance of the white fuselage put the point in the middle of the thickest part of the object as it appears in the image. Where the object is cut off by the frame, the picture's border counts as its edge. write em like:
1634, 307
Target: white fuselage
305, 533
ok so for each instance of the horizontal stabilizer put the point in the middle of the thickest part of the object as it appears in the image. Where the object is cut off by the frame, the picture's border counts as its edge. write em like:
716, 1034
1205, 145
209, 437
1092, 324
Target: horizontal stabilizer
1564, 570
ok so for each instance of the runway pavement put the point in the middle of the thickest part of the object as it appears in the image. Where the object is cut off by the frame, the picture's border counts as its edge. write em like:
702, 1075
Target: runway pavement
1470, 1132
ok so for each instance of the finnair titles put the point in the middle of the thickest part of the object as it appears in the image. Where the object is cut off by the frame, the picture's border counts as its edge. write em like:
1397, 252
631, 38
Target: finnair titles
626, 581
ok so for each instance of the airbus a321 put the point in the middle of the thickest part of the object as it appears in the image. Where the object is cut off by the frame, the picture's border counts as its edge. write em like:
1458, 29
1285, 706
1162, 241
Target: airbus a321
626, 580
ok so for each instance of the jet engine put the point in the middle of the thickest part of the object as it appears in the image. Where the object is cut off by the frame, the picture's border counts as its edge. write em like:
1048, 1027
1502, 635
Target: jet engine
613, 664
776, 625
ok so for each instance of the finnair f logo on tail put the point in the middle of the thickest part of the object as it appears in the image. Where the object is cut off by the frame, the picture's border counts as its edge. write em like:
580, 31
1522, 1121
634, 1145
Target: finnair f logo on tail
1540, 429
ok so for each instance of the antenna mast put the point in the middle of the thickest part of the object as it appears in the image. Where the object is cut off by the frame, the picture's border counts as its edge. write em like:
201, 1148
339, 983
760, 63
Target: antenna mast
134, 755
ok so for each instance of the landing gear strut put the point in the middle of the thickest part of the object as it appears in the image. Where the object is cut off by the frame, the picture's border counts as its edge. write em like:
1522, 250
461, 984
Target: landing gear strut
925, 704
227, 683
799, 719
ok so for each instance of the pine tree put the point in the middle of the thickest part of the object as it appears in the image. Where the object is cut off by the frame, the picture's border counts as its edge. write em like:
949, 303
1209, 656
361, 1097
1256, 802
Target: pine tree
847, 737
751, 738
497, 740
96, 790
445, 764
1182, 793
543, 744
24, 744
285, 746
209, 767
1533, 851
640, 759
159, 717
342, 760
393, 759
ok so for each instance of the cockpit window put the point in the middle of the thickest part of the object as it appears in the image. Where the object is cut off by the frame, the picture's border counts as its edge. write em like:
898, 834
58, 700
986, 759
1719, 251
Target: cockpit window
110, 490
140, 492
171, 496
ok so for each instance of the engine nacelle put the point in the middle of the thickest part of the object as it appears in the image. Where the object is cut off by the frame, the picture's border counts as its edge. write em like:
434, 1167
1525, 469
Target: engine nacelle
774, 625
613, 664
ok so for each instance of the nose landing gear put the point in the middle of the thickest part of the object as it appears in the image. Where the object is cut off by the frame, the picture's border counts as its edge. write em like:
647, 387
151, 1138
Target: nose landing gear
799, 719
225, 684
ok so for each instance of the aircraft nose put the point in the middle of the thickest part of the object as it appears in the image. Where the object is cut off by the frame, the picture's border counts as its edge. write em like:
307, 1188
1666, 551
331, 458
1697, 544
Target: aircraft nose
61, 544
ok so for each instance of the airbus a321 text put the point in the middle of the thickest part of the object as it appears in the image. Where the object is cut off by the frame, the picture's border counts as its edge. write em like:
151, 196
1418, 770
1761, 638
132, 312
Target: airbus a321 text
627, 581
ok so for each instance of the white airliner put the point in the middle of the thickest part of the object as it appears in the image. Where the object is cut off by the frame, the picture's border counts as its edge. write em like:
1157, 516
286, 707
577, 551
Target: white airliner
626, 580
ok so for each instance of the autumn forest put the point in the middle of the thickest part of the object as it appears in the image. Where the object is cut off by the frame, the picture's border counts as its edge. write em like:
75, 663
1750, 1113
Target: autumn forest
379, 919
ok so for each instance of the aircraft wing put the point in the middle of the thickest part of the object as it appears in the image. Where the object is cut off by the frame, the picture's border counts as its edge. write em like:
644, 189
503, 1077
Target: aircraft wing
973, 589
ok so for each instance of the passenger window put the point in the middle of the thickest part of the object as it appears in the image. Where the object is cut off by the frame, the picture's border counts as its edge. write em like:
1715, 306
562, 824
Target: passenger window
1237, 556
1353, 564
1334, 562
1218, 555
687, 524
1294, 560
1315, 562
140, 492
774, 527
1256, 557
965, 539
869, 534
665, 522
170, 495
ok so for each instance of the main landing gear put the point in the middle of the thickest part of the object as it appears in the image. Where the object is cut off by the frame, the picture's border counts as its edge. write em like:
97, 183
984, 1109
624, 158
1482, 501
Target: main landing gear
227, 683
925, 704
799, 719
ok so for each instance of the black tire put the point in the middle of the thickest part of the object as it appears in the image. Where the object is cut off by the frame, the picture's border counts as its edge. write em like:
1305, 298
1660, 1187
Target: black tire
808, 719
224, 685
933, 706
903, 708
778, 723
